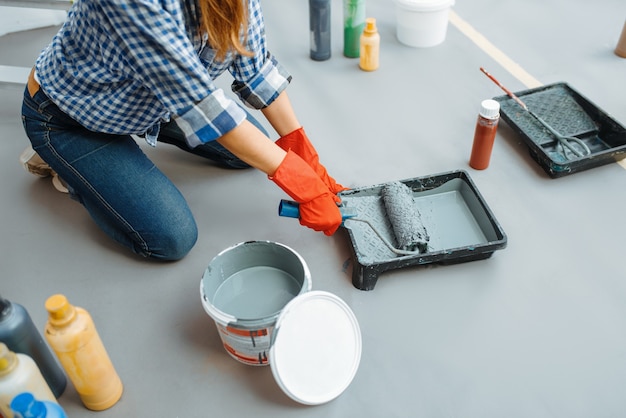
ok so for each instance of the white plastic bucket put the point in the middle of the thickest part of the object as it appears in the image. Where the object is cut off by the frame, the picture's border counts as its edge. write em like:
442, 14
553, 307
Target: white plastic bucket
244, 289
422, 23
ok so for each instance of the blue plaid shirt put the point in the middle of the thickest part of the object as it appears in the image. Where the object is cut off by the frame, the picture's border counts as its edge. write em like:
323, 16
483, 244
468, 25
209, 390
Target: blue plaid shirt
124, 66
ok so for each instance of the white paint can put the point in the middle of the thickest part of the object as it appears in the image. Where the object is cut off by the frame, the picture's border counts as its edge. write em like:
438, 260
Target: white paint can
422, 23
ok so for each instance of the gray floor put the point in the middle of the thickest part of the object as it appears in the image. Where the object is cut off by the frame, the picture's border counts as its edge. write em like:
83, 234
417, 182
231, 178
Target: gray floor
535, 331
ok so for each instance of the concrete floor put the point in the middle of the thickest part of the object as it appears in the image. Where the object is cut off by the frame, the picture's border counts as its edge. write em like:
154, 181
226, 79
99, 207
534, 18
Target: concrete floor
535, 331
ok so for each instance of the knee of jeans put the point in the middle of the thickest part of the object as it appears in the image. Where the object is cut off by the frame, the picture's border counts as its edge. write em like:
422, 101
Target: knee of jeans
175, 243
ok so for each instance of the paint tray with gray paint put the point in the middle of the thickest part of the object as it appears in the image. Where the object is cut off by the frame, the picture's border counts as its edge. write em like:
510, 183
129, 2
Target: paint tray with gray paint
460, 225
570, 114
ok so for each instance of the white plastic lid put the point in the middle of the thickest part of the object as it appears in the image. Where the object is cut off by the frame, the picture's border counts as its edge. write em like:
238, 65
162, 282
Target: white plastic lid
425, 5
489, 109
316, 349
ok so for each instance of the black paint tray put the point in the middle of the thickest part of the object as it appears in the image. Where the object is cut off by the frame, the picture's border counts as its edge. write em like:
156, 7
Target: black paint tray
458, 220
570, 114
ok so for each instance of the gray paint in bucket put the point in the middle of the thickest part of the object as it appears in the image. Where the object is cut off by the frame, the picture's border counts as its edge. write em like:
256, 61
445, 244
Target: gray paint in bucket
244, 289
256, 292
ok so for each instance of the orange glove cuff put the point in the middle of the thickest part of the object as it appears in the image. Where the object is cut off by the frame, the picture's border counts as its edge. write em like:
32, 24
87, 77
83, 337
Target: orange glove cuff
298, 142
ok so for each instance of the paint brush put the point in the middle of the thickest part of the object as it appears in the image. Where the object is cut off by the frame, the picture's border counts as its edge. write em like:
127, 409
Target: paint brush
507, 91
580, 150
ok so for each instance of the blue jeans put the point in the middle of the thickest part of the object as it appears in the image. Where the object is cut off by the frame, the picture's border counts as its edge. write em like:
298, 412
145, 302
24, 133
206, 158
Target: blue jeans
127, 196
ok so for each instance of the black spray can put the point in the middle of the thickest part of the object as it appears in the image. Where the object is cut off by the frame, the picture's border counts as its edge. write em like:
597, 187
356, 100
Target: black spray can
319, 18
19, 333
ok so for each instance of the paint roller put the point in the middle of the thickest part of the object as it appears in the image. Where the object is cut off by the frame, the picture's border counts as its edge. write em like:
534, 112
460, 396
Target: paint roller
405, 219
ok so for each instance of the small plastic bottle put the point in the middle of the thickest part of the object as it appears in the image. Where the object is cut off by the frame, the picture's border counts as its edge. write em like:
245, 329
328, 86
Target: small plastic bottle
25, 405
370, 46
353, 24
71, 333
19, 373
19, 333
620, 49
319, 21
485, 134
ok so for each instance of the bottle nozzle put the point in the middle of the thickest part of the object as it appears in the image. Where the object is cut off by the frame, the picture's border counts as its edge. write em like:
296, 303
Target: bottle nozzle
60, 311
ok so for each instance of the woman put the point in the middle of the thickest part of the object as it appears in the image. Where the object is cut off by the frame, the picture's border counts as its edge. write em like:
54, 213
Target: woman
146, 67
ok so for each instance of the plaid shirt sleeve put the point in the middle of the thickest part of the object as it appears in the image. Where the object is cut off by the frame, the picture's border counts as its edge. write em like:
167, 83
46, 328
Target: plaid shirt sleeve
262, 88
259, 79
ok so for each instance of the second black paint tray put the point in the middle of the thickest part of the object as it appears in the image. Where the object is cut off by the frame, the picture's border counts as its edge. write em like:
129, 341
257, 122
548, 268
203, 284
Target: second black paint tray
460, 224
570, 114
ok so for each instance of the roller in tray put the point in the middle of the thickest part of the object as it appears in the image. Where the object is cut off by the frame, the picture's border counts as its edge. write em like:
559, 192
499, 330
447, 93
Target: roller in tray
570, 114
460, 225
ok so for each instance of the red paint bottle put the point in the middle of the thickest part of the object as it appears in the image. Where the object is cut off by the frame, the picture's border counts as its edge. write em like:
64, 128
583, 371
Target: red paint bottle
485, 134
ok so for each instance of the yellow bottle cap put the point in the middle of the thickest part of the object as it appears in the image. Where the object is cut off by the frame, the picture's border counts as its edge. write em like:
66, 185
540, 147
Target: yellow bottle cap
60, 311
8, 359
370, 25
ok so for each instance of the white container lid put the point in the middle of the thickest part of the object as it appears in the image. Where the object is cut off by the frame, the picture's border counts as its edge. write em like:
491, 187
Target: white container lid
489, 109
424, 5
316, 349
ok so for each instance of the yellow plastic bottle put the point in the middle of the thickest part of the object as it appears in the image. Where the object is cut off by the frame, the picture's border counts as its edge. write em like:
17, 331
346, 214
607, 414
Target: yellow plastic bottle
71, 333
370, 46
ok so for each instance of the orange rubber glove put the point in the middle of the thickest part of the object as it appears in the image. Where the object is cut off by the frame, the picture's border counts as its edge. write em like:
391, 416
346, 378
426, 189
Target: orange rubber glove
318, 205
298, 142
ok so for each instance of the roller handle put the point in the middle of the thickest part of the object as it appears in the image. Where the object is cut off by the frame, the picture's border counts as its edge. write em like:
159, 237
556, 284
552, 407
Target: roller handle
291, 209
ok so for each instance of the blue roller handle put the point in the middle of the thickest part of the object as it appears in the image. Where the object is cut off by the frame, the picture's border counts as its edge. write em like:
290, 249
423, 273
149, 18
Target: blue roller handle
291, 209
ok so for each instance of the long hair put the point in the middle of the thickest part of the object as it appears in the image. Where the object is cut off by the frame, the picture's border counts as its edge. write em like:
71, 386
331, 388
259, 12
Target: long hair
224, 21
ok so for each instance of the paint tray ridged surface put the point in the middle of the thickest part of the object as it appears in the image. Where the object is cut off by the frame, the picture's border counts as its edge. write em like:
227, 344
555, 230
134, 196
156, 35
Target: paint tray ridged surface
460, 225
570, 114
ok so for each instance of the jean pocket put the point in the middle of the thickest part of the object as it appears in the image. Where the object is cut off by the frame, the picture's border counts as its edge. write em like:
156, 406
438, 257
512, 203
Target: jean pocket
48, 108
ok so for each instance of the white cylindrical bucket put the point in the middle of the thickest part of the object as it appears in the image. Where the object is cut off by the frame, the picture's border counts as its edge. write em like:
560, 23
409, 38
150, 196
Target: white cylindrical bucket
422, 23
244, 289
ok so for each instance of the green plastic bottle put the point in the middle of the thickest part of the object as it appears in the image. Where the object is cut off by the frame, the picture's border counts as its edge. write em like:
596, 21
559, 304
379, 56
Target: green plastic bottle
353, 24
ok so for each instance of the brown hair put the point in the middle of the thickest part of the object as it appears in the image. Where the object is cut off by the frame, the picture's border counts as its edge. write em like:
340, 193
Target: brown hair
224, 21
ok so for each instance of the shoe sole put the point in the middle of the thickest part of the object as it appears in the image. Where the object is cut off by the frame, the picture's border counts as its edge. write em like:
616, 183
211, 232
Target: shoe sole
58, 184
33, 163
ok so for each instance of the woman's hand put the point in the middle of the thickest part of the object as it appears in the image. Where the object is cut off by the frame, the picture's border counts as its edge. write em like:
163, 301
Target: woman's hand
318, 205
